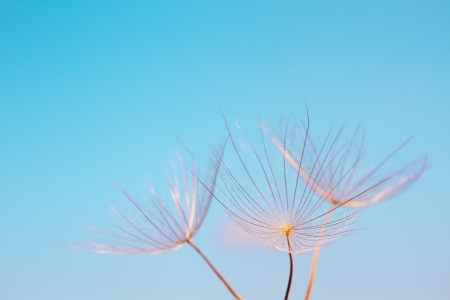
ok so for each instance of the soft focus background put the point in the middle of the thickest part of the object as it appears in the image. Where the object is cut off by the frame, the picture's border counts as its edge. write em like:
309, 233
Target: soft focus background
92, 91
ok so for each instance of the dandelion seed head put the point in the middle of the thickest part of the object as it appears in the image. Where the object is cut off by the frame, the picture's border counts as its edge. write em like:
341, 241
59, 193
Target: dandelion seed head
164, 221
264, 195
344, 155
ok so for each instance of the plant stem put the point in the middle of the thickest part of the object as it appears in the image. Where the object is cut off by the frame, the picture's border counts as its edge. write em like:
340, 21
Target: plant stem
214, 270
291, 273
311, 273
312, 270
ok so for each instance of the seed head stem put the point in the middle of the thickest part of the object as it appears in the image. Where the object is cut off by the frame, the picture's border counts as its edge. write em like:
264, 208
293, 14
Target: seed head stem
312, 270
312, 273
232, 291
291, 273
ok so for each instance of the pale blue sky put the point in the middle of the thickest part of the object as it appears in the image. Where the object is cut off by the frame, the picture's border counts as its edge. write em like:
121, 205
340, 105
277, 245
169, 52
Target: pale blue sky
91, 91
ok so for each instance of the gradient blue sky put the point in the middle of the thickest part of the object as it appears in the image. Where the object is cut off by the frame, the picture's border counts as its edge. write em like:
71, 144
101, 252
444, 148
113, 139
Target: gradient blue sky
91, 91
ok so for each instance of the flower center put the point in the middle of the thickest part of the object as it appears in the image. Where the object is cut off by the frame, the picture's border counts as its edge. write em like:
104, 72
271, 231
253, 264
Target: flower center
286, 228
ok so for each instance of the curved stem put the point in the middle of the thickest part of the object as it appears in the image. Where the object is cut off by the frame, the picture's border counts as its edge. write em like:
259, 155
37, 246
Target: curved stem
312, 270
214, 270
291, 272
311, 273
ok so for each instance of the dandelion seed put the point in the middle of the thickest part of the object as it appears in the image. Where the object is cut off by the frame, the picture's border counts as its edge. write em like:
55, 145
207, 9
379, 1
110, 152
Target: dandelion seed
344, 156
268, 198
157, 226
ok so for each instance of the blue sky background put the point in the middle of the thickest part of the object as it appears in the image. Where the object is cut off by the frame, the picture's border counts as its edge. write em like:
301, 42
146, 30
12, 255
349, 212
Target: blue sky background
91, 92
